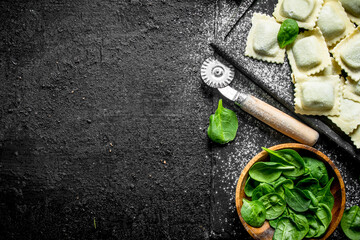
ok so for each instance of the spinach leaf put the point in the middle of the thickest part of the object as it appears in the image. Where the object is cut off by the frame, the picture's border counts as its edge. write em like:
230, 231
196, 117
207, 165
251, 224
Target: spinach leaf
286, 230
295, 194
297, 199
288, 157
267, 171
323, 214
309, 183
314, 202
223, 125
283, 182
274, 205
280, 190
273, 223
279, 183
324, 195
294, 179
317, 170
313, 225
350, 223
262, 190
250, 186
288, 32
253, 212
301, 223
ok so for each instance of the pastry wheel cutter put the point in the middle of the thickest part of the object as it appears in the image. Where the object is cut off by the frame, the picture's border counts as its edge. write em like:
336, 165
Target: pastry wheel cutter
219, 74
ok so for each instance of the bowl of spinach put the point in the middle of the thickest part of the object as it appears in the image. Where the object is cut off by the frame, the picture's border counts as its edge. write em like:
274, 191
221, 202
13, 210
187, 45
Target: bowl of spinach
290, 190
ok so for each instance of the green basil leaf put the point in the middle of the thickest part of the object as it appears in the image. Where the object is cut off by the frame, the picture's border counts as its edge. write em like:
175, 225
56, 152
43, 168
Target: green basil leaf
297, 199
267, 171
253, 212
262, 190
274, 205
350, 223
223, 125
288, 32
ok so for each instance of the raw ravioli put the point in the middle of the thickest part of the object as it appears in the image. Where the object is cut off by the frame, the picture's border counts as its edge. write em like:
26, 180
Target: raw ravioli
305, 12
309, 53
262, 40
333, 22
318, 95
347, 54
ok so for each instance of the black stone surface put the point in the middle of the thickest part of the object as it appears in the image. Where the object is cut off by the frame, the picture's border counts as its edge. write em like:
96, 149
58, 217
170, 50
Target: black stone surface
103, 120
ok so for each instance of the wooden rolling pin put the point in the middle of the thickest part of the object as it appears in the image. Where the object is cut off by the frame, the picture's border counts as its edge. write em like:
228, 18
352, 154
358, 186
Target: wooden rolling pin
278, 119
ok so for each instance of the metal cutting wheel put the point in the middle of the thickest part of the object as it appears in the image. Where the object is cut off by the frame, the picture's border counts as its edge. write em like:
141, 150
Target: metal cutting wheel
217, 74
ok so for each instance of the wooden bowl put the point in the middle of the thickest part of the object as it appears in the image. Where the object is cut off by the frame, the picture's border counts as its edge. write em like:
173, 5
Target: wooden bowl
266, 232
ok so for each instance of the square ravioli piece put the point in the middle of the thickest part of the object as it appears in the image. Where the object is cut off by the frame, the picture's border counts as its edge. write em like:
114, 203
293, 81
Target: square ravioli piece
262, 41
352, 90
355, 137
333, 22
352, 8
308, 54
318, 95
349, 117
304, 12
347, 54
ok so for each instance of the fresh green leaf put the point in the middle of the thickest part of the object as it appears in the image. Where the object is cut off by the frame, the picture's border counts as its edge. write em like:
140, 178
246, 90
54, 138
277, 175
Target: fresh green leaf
283, 182
310, 184
324, 195
288, 157
297, 199
313, 225
280, 190
317, 170
267, 171
297, 205
294, 179
314, 202
350, 223
323, 214
274, 205
280, 183
288, 32
273, 223
223, 125
250, 186
286, 230
262, 190
301, 223
253, 212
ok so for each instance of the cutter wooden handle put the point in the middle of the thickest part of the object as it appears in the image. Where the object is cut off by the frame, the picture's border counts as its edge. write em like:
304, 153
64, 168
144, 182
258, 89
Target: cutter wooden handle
279, 120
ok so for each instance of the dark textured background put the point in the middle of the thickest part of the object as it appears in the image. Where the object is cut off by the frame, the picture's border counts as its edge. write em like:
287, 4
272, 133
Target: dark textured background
103, 123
